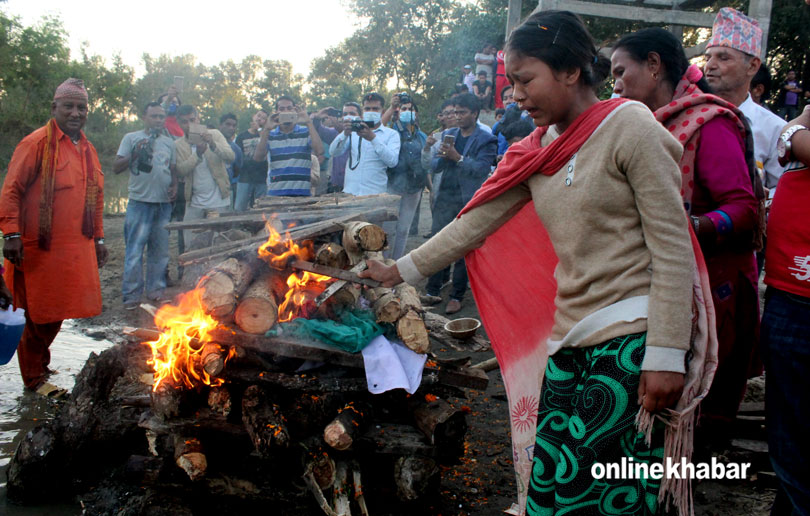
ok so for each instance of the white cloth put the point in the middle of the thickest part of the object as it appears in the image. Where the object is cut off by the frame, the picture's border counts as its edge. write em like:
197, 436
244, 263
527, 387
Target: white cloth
766, 128
469, 79
375, 158
390, 365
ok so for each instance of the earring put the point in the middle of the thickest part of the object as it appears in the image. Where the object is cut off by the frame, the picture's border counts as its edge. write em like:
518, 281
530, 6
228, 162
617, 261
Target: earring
655, 76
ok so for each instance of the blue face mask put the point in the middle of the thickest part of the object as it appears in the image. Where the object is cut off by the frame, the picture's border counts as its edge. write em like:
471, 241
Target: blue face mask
172, 109
406, 117
371, 116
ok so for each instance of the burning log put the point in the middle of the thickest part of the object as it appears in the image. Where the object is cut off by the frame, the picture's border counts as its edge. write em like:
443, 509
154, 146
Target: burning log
347, 426
166, 400
263, 421
212, 359
363, 236
332, 255
257, 311
415, 476
347, 295
411, 329
189, 456
225, 283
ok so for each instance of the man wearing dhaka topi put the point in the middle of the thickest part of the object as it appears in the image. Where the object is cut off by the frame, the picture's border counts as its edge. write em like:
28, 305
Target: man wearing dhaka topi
51, 208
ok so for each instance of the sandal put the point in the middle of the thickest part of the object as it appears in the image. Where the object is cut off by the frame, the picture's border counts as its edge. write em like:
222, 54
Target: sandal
49, 390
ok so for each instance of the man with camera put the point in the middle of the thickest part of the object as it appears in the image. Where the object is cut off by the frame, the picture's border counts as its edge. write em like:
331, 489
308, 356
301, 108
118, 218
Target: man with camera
252, 180
149, 155
372, 149
202, 158
288, 141
408, 178
464, 159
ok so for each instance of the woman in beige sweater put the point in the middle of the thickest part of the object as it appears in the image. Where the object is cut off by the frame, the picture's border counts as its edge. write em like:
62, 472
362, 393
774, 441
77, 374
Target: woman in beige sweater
603, 179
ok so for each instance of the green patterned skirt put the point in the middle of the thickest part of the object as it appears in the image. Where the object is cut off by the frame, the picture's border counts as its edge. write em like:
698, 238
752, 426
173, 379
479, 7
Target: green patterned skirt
587, 415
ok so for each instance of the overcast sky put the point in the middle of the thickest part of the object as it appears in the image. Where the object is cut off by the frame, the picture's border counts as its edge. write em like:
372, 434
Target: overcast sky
296, 30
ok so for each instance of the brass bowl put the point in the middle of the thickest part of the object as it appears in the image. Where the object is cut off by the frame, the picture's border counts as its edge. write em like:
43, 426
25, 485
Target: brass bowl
463, 328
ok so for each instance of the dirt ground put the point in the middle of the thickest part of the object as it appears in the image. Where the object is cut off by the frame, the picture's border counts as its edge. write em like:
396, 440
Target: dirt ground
483, 483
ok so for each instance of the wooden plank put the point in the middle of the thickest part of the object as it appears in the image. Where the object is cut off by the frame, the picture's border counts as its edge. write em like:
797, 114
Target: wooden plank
304, 232
333, 272
258, 218
637, 13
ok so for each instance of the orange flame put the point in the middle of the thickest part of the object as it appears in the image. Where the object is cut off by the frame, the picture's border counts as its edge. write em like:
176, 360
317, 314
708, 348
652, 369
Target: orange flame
177, 353
304, 287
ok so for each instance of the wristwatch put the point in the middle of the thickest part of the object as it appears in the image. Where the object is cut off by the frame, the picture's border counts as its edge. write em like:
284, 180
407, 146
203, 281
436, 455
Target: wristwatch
460, 160
783, 147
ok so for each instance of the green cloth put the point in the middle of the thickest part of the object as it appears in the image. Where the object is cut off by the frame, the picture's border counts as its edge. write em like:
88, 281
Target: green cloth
354, 331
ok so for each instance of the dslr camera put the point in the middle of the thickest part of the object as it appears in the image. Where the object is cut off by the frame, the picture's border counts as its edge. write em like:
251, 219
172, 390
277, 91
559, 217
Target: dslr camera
143, 160
359, 125
404, 98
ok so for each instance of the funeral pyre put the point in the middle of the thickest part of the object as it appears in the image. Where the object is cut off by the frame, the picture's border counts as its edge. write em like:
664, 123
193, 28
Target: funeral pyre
234, 404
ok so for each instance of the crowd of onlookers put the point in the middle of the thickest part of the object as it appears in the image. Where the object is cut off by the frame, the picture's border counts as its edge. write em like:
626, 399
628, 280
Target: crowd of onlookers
180, 169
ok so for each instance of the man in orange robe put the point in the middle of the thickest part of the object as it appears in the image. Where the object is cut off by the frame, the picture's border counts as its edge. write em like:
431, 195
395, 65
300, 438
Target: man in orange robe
51, 208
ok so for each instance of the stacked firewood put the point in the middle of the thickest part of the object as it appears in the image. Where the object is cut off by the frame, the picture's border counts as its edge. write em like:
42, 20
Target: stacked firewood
303, 406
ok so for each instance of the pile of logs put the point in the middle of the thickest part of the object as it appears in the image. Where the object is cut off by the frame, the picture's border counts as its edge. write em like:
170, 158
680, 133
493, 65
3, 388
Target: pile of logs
304, 407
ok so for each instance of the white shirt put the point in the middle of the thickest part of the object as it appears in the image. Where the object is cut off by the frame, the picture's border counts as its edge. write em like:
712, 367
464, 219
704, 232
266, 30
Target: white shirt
375, 157
766, 128
484, 127
204, 190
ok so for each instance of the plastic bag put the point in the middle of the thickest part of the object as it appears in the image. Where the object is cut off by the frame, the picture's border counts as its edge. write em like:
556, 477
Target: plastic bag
12, 322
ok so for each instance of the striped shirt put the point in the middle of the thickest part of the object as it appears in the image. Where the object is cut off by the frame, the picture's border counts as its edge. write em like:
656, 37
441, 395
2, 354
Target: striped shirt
290, 157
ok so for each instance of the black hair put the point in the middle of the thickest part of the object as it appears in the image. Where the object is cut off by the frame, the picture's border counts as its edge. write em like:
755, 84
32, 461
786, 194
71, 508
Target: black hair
510, 116
414, 107
520, 128
639, 44
185, 109
262, 110
500, 111
227, 116
151, 104
285, 97
467, 100
374, 97
560, 39
355, 105
163, 97
507, 87
445, 103
763, 77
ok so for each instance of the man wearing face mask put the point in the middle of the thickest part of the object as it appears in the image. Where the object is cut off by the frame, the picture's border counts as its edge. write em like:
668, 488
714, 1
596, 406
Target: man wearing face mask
372, 149
407, 179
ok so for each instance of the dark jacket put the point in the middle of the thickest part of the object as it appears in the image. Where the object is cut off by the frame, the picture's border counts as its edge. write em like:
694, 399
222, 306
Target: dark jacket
479, 156
408, 176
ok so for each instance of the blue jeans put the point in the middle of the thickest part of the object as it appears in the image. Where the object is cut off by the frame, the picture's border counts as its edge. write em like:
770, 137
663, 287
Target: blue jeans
785, 338
247, 193
145, 227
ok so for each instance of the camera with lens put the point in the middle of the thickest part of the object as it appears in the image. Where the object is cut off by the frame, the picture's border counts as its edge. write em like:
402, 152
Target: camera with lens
143, 161
404, 98
358, 125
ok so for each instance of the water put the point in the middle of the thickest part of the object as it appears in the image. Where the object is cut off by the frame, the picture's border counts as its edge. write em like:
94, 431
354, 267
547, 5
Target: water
21, 410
